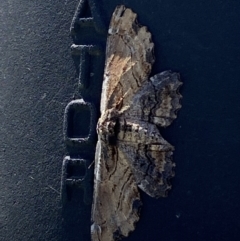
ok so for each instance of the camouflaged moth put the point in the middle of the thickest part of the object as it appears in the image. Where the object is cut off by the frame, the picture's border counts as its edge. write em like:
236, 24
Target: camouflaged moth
131, 152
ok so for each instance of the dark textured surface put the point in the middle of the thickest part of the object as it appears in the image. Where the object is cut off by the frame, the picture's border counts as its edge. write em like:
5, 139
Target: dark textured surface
36, 84
198, 39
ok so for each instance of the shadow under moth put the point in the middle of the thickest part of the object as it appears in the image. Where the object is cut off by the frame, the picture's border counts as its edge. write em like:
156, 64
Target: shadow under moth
131, 152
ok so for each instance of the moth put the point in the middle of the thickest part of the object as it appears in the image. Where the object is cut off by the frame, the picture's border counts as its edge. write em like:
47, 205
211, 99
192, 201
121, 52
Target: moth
131, 152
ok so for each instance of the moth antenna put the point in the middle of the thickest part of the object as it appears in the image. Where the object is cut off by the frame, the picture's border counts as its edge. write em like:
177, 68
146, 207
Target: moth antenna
91, 164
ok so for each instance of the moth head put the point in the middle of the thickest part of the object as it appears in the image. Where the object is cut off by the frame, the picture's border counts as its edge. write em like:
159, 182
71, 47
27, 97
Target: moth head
108, 126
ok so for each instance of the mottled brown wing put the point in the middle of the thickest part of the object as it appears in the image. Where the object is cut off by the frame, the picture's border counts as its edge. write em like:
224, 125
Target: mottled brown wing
158, 100
149, 156
116, 200
129, 59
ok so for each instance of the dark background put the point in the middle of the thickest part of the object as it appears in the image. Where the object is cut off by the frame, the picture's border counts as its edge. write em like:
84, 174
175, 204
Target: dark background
199, 39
